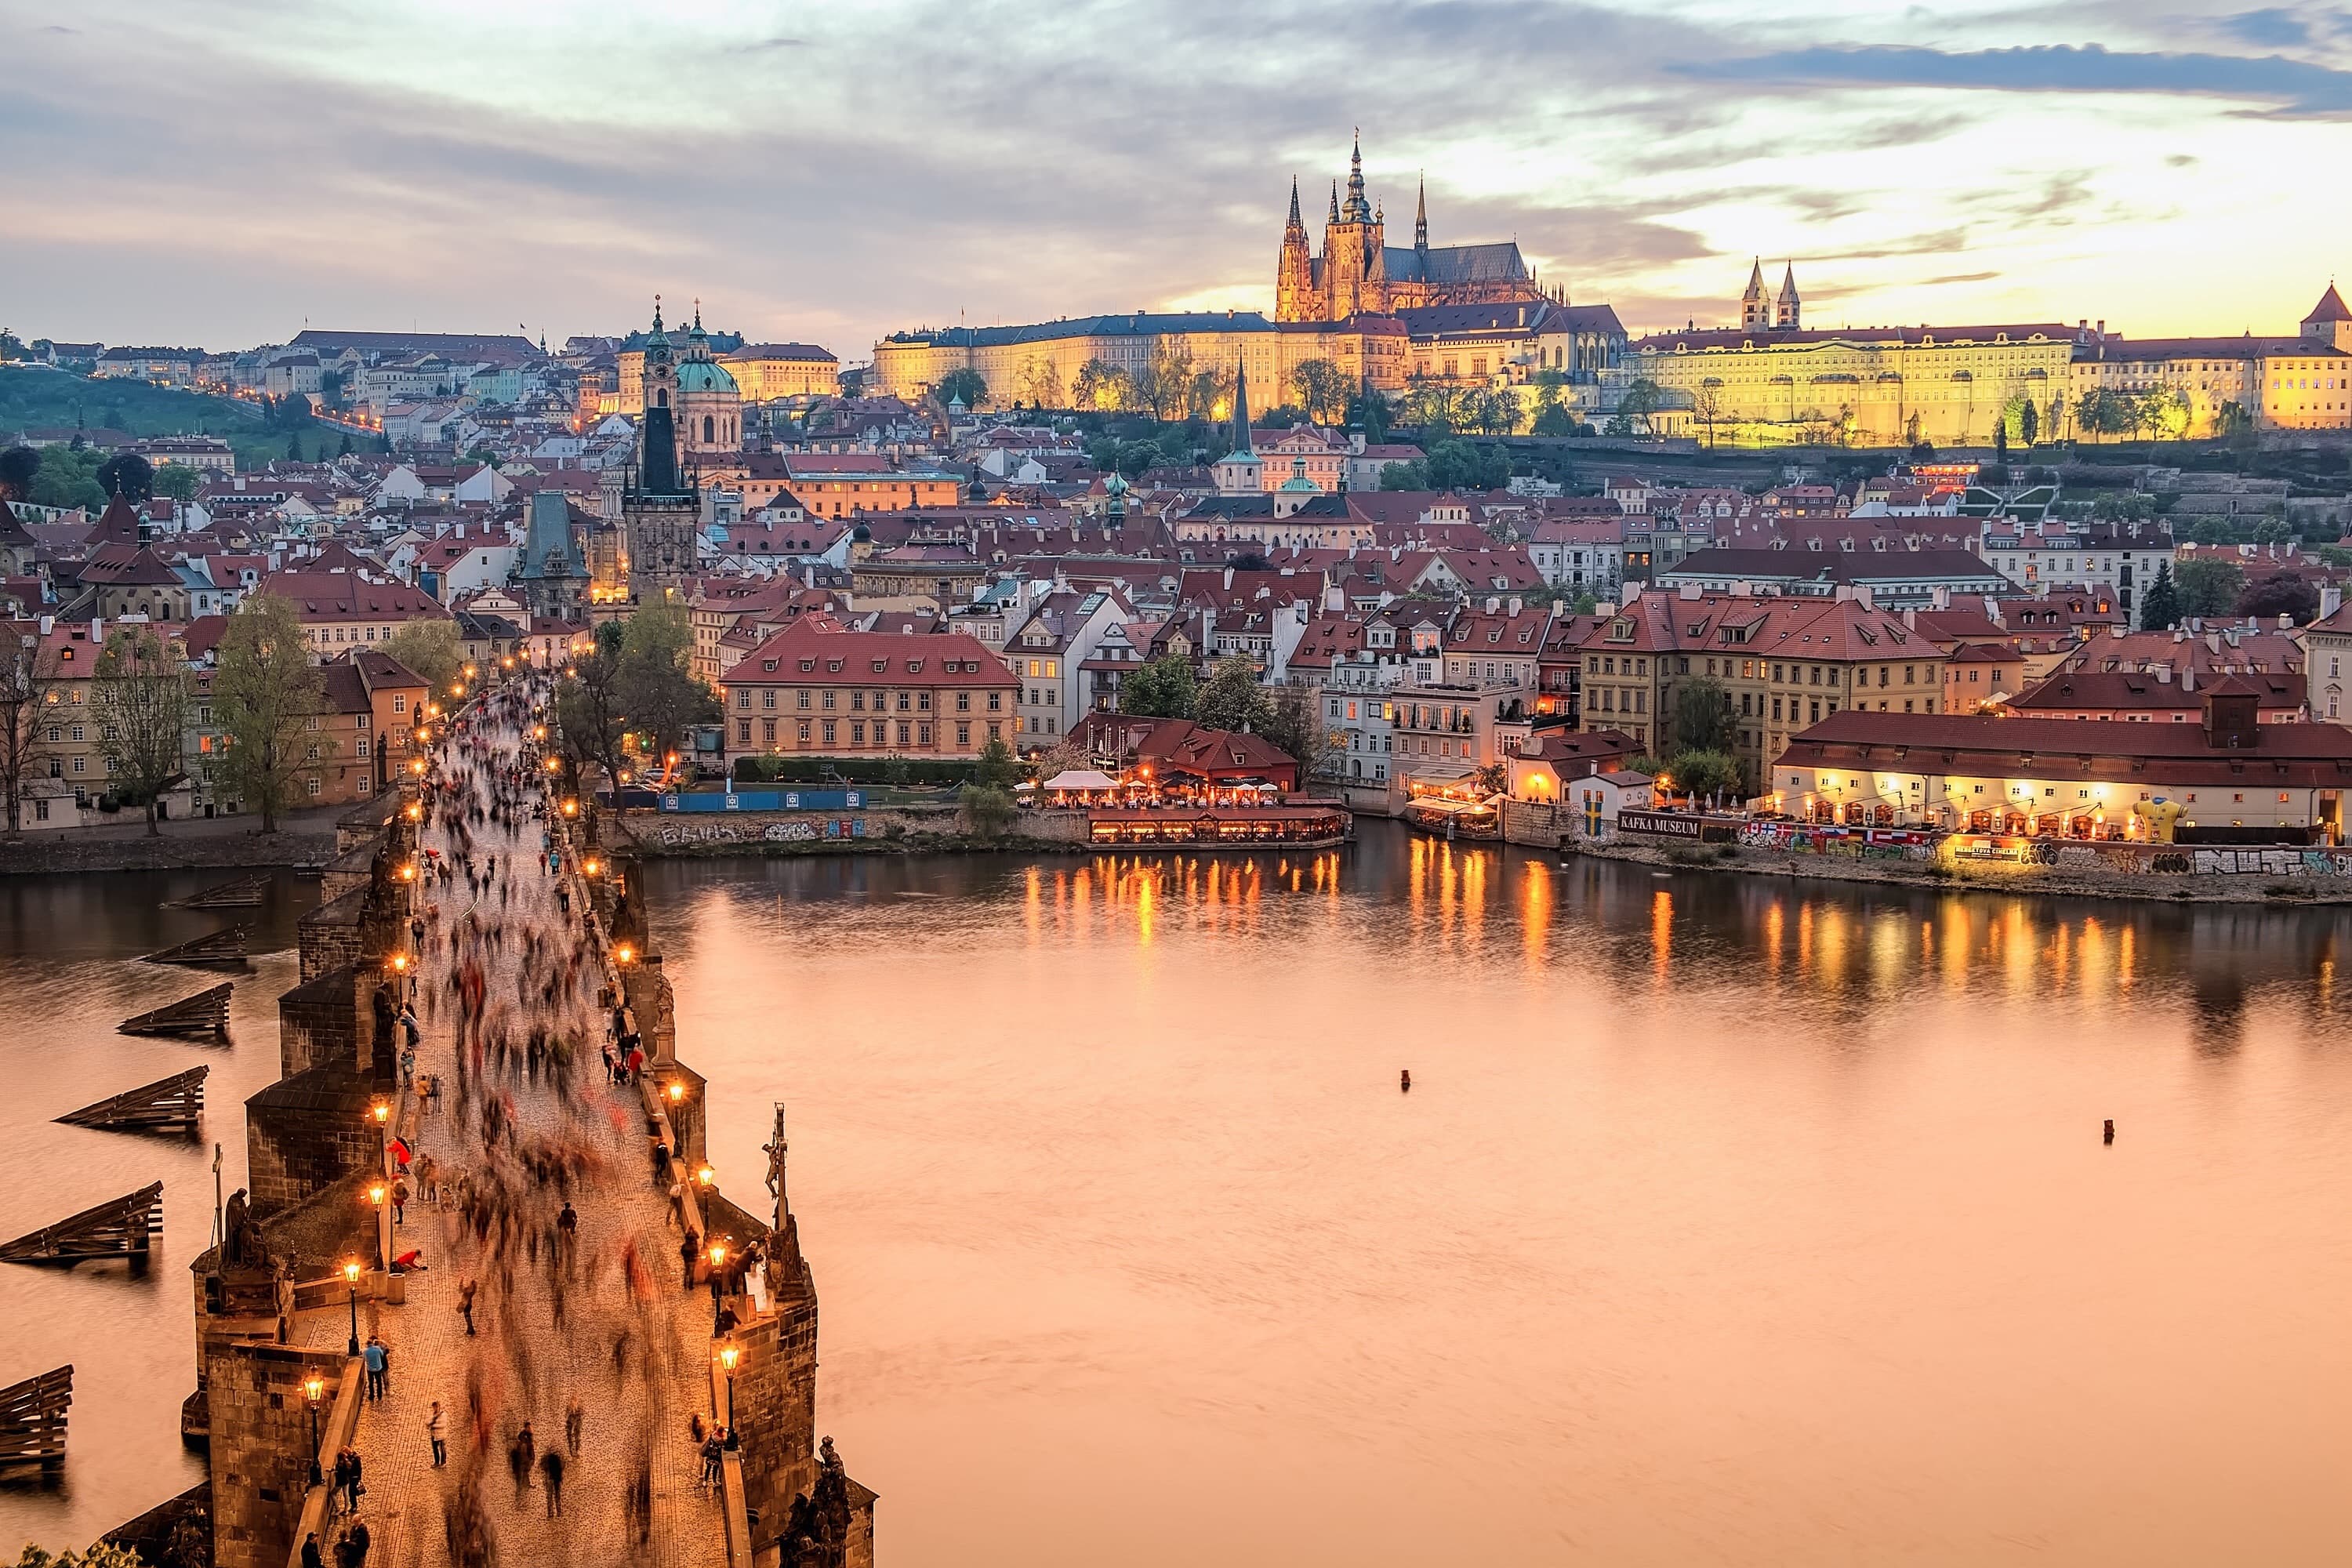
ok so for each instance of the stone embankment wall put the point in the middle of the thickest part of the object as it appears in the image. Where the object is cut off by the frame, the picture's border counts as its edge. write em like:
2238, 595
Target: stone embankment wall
884, 830
61, 853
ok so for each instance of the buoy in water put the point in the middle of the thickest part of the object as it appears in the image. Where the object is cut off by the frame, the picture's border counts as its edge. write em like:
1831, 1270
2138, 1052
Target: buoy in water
2109, 1136
1405, 1086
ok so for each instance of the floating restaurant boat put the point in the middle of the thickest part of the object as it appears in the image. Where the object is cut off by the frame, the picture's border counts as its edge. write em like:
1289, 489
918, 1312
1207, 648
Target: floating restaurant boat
1225, 826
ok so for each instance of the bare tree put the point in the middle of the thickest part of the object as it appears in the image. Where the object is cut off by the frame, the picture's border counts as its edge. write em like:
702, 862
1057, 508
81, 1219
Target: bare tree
28, 689
141, 701
268, 696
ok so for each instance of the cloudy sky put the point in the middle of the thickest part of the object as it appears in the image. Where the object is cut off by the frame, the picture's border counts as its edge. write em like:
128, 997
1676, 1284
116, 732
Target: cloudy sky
221, 171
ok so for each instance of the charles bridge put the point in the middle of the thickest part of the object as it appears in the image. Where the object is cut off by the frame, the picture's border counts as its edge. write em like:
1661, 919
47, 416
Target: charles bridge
316, 1255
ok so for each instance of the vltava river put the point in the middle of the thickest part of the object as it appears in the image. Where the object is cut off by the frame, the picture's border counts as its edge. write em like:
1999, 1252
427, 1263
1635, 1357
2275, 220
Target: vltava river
1726, 1221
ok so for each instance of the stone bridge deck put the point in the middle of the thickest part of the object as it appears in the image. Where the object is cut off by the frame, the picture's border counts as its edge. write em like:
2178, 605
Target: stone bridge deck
524, 1363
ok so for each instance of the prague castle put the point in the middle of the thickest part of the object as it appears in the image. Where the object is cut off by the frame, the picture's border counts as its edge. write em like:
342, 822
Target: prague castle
1360, 273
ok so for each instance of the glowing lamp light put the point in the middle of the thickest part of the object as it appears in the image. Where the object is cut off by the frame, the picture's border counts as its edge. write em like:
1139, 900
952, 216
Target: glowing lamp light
399, 967
570, 808
416, 814
676, 1091
351, 1270
375, 1194
554, 764
624, 953
407, 874
313, 1387
589, 866
718, 1255
539, 732
381, 1111
417, 767
703, 1176
469, 672
728, 1355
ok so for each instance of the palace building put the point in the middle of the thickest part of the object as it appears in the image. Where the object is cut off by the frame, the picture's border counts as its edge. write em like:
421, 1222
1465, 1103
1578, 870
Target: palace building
1360, 273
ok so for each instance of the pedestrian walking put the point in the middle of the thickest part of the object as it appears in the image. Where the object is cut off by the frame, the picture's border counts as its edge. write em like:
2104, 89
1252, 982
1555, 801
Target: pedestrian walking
466, 1303
530, 1450
518, 1467
372, 1357
550, 1470
571, 1420
310, 1556
432, 1430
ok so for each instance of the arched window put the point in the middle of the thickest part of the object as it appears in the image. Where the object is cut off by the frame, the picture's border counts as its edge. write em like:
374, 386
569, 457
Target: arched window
662, 398
707, 434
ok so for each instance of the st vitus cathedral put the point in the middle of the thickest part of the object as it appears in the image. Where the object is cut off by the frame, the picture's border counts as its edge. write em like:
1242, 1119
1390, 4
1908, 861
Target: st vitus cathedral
1360, 272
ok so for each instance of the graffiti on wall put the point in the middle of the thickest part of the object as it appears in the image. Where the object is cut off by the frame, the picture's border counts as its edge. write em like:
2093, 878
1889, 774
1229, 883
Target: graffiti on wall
681, 834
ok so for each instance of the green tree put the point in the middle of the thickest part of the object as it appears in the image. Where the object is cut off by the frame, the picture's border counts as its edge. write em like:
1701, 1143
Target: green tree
1703, 721
68, 477
1322, 389
2208, 587
962, 382
127, 474
140, 698
178, 481
1234, 700
1406, 476
432, 648
2159, 608
1097, 385
1459, 465
1368, 410
1162, 688
267, 698
1497, 412
2029, 423
662, 696
988, 799
1704, 772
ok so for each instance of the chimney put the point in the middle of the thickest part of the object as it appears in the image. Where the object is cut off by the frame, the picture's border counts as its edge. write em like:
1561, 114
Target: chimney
2286, 622
2164, 675
1494, 603
1516, 603
2331, 599
2213, 642
2187, 678
2103, 328
2117, 632
1689, 591
49, 625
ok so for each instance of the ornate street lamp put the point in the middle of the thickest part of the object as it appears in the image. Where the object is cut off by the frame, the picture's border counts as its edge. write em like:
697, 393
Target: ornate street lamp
351, 1278
313, 1387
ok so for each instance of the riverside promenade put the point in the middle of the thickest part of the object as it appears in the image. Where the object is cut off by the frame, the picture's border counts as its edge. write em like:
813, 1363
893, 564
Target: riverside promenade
461, 984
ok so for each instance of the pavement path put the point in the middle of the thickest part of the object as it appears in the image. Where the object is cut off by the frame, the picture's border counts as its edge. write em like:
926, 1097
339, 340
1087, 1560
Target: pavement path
541, 1341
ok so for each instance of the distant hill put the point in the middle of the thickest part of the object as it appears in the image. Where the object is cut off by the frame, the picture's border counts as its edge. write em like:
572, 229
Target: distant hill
35, 396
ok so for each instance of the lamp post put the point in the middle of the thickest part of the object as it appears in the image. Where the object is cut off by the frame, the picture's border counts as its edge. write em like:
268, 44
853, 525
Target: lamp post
717, 1267
312, 1387
728, 1355
351, 1278
379, 1190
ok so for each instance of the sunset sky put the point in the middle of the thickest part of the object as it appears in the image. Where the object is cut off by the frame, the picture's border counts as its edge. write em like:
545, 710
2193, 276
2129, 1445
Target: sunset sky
218, 173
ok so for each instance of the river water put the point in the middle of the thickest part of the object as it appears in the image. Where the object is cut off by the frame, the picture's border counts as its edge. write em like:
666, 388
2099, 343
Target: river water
1727, 1220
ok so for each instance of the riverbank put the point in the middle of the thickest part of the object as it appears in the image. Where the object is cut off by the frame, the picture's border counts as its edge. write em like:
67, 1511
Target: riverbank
52, 854
1986, 875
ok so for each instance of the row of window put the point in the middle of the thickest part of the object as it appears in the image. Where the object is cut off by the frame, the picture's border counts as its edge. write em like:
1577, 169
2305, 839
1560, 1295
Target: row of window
828, 732
829, 701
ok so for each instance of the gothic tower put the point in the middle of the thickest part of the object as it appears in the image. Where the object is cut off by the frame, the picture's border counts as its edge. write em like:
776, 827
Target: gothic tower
1355, 273
1756, 305
1420, 217
1293, 274
660, 508
1791, 314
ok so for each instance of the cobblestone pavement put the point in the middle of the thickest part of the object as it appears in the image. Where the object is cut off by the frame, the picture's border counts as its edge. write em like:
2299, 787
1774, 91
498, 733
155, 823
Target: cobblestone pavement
523, 1362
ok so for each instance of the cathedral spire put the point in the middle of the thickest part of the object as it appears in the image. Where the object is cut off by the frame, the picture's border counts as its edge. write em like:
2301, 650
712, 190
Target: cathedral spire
1241, 412
1790, 312
1295, 222
1756, 305
1358, 209
1420, 217
1335, 201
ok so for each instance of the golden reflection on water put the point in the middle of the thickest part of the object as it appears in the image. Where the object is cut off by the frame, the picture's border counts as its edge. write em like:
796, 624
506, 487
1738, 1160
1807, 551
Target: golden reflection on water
1700, 1164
